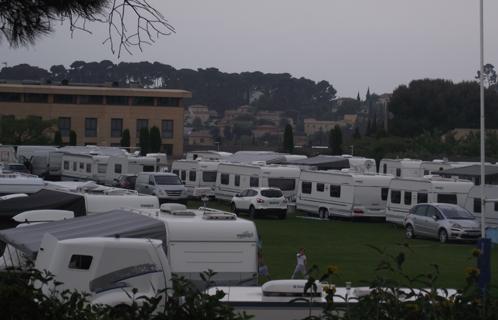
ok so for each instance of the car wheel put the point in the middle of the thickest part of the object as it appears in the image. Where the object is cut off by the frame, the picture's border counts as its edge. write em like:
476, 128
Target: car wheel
443, 236
234, 208
409, 233
252, 212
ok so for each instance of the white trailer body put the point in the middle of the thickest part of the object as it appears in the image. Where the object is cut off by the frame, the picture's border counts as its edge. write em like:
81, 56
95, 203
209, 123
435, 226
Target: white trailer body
233, 178
342, 193
404, 193
473, 204
199, 177
401, 167
361, 164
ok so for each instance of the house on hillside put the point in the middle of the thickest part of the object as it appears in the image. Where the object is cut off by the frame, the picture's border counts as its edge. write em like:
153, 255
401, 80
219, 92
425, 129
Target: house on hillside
312, 125
200, 138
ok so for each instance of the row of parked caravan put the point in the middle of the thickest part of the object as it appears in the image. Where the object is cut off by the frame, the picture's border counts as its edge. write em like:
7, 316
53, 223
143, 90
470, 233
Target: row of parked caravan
355, 192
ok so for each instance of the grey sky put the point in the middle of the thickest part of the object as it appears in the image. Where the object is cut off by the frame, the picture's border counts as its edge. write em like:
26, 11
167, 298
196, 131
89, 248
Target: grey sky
353, 44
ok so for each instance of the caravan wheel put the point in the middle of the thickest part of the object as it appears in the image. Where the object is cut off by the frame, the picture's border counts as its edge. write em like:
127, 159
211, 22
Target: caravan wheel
323, 213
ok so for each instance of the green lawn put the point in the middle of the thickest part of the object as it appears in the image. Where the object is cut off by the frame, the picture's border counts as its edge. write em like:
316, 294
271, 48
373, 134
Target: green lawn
345, 244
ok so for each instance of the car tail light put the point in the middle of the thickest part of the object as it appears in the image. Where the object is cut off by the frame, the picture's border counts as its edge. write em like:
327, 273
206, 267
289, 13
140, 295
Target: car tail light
259, 200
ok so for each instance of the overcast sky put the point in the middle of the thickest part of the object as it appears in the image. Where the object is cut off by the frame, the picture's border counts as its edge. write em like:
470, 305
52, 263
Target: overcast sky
353, 44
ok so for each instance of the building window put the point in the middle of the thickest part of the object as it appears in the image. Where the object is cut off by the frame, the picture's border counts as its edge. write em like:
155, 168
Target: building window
168, 149
36, 97
142, 101
224, 178
141, 123
117, 100
91, 99
320, 187
65, 98
90, 127
335, 191
254, 182
64, 126
306, 187
167, 129
10, 97
168, 102
116, 127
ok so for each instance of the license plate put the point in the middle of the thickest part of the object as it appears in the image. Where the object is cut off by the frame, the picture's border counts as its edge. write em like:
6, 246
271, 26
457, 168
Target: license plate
273, 202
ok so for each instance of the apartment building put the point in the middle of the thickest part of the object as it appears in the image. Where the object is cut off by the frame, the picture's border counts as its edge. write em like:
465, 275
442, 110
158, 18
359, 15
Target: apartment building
100, 114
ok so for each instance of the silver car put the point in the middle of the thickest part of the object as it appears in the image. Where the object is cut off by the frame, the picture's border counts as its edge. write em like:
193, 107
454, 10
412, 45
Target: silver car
442, 221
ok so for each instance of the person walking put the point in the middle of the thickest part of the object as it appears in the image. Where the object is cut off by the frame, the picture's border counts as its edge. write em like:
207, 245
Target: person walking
301, 264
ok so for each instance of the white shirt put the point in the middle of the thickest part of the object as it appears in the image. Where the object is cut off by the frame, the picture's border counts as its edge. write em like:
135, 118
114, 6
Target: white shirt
301, 259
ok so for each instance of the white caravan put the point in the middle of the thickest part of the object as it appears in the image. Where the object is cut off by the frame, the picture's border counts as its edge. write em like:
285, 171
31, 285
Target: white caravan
404, 193
16, 182
342, 193
473, 204
199, 177
233, 178
207, 155
401, 167
361, 164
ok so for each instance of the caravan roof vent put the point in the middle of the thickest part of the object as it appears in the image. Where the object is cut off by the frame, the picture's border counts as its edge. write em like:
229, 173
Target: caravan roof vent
213, 214
171, 207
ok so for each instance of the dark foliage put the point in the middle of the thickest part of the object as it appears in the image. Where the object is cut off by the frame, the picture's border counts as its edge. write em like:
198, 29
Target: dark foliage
125, 138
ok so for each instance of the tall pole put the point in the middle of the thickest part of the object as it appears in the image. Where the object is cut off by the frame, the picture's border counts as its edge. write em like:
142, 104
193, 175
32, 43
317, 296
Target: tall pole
481, 79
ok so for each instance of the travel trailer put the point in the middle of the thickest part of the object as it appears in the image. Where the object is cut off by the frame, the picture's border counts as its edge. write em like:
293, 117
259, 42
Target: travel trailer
15, 182
195, 240
473, 204
401, 167
327, 162
102, 164
199, 177
207, 155
404, 193
232, 178
342, 193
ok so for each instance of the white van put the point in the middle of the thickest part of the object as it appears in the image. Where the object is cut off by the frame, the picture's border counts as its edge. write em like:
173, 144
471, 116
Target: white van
165, 186
342, 193
404, 193
199, 177
232, 178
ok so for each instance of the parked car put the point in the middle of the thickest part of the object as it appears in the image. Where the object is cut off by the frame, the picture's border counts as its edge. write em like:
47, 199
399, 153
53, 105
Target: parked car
257, 201
442, 221
166, 186
126, 181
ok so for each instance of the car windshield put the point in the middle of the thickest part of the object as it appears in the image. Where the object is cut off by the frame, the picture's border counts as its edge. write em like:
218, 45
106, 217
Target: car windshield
167, 180
456, 213
271, 193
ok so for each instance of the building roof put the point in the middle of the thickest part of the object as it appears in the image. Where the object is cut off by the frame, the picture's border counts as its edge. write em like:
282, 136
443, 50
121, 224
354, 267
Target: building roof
94, 90
470, 171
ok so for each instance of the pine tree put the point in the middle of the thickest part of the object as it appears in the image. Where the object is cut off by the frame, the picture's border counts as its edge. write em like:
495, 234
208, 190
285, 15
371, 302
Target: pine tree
288, 144
144, 141
72, 138
358, 97
155, 139
125, 139
335, 141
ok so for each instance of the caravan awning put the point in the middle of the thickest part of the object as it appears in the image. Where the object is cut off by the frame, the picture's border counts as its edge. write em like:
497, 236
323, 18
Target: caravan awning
116, 223
43, 199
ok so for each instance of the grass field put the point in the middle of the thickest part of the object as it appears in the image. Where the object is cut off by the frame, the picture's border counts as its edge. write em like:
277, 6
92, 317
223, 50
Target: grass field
346, 244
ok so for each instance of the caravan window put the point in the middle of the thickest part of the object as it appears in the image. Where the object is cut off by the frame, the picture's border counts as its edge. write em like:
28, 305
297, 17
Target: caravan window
74, 166
398, 172
408, 198
148, 169
88, 167
306, 187
237, 180
335, 191
101, 168
209, 176
82, 166
66, 165
117, 168
477, 205
224, 178
496, 206
320, 187
79, 261
254, 182
192, 176
395, 196
422, 197
383, 193
184, 175
282, 183
447, 198
384, 168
